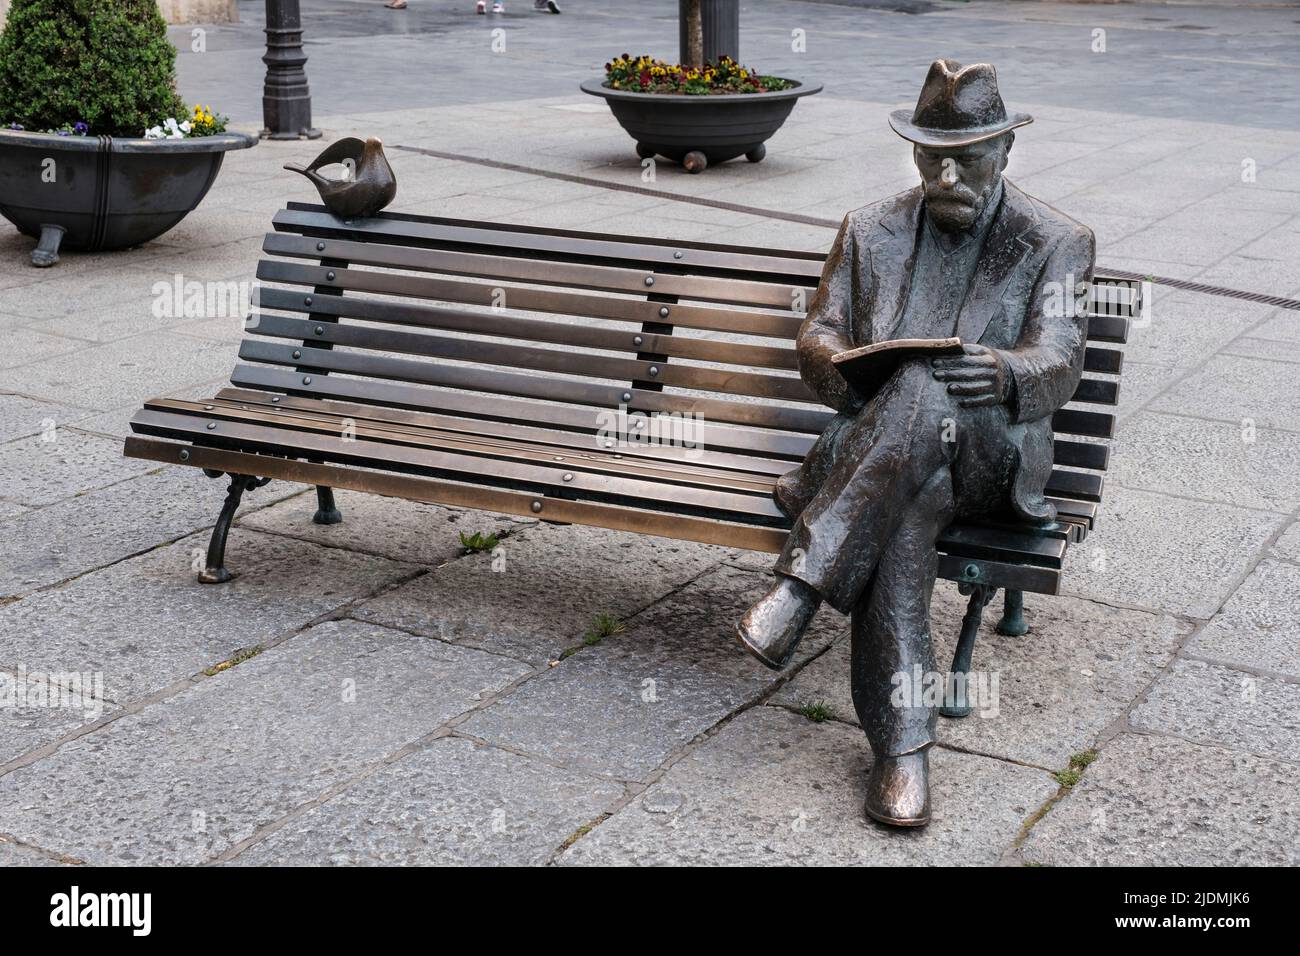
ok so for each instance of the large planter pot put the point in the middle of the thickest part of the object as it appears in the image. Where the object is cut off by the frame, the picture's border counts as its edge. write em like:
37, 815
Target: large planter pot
697, 131
98, 192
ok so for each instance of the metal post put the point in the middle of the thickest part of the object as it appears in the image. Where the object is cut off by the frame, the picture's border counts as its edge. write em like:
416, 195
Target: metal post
721, 28
286, 99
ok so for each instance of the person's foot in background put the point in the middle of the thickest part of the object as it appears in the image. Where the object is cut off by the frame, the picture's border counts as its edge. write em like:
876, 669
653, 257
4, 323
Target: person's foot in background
546, 6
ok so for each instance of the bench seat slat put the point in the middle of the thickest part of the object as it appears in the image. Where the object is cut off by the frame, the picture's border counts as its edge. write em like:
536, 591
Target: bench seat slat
575, 461
714, 435
1001, 544
558, 440
440, 491
534, 477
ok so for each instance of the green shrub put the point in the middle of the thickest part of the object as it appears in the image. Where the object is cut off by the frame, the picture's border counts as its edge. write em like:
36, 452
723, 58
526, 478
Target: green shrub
107, 63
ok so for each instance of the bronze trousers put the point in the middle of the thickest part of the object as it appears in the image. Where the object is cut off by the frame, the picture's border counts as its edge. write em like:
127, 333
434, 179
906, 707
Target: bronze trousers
873, 495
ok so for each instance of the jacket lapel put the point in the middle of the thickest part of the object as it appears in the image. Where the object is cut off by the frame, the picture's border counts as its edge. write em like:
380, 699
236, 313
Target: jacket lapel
893, 257
1004, 250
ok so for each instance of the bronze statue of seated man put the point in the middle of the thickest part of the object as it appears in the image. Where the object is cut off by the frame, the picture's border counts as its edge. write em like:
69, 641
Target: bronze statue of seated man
966, 255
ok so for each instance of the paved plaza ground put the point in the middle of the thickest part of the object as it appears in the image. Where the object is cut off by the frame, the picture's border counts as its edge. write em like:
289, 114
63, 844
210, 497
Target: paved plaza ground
366, 693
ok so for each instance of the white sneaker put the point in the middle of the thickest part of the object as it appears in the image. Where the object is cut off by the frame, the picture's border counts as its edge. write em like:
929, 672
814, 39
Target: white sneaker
498, 8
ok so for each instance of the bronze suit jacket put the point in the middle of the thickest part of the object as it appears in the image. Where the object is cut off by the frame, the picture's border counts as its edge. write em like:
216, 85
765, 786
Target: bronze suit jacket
1022, 300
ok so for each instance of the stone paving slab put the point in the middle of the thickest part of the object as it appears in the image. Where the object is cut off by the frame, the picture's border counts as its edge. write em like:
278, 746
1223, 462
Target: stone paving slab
1283, 326
51, 544
1058, 687
62, 463
1259, 627
622, 707
1157, 801
34, 713
147, 622
1288, 545
774, 788
21, 416
696, 624
1212, 704
1165, 553
1249, 346
1233, 389
12, 854
189, 777
55, 292
541, 592
1183, 329
26, 345
127, 371
116, 422
454, 803
391, 527
1210, 460
614, 710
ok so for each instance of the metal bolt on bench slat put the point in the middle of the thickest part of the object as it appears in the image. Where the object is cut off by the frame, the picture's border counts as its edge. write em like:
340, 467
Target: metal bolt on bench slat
537, 506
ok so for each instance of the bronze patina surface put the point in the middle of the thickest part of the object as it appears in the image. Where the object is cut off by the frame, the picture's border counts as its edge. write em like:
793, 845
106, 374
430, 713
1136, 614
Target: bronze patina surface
964, 254
370, 183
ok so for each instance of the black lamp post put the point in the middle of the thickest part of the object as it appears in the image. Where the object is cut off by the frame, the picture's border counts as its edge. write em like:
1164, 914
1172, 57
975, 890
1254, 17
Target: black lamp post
719, 24
286, 99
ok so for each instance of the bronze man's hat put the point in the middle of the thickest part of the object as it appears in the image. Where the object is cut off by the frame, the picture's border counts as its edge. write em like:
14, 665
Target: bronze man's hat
959, 105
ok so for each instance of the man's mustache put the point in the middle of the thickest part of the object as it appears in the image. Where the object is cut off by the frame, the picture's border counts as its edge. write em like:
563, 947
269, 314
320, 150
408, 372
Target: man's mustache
951, 194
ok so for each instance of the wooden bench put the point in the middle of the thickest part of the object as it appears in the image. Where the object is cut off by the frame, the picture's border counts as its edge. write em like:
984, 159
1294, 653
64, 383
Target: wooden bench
484, 366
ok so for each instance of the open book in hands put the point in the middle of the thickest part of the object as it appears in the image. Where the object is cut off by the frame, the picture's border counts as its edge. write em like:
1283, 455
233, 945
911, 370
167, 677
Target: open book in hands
869, 367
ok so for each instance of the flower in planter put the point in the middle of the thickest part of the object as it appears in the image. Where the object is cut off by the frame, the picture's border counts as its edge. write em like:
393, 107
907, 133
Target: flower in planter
169, 129
204, 122
644, 74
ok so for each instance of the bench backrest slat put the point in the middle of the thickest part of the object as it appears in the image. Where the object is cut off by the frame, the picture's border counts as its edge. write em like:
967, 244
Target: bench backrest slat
487, 322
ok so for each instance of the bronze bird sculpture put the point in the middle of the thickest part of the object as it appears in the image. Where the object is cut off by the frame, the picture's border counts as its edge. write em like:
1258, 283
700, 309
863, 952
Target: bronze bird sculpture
368, 185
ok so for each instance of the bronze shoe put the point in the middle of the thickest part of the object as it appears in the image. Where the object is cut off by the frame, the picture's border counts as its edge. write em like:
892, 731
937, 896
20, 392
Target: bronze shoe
772, 628
898, 790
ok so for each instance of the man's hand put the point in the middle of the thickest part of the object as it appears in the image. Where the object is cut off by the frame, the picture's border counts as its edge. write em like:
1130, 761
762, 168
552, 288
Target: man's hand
980, 377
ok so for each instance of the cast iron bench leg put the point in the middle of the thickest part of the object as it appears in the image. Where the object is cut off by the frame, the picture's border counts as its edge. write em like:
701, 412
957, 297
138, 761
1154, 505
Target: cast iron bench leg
1013, 614
215, 572
326, 511
956, 701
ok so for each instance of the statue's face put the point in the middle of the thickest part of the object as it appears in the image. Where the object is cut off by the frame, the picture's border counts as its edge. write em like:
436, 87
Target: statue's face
959, 181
